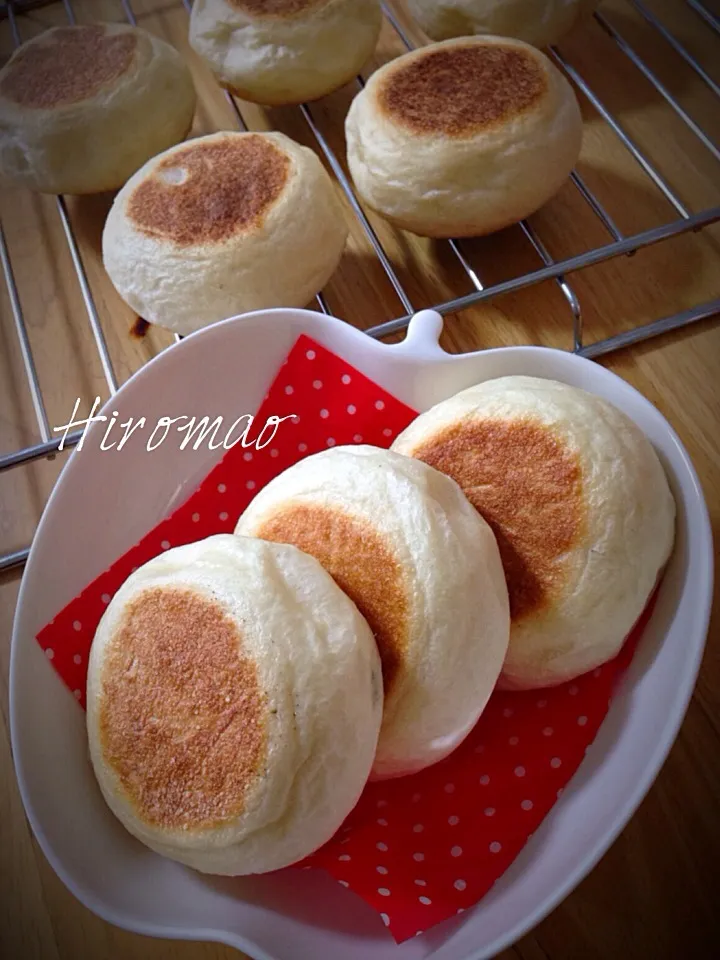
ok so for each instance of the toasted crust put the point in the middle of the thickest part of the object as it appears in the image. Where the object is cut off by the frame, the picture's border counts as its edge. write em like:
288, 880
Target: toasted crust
277, 9
421, 565
210, 191
462, 89
528, 486
181, 716
67, 65
362, 564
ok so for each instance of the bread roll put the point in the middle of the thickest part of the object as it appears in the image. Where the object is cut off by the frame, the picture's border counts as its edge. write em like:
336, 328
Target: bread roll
464, 137
82, 108
539, 22
234, 702
580, 506
424, 570
285, 51
222, 225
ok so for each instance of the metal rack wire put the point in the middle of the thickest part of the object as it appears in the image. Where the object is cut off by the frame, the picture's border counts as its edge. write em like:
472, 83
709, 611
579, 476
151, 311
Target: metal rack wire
558, 270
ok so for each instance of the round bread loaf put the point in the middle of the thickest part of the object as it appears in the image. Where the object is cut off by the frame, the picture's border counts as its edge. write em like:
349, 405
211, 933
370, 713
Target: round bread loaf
82, 108
234, 702
464, 137
539, 22
285, 51
222, 225
580, 506
424, 570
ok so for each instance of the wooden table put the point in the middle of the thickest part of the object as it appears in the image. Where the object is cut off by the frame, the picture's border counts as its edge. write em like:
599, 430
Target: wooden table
654, 895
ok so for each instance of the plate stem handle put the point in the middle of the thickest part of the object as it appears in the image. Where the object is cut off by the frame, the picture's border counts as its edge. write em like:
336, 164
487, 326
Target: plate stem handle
422, 336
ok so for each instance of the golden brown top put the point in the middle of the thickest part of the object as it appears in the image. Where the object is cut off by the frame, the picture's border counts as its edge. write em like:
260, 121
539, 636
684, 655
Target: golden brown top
181, 714
277, 9
528, 486
210, 191
460, 90
361, 563
67, 65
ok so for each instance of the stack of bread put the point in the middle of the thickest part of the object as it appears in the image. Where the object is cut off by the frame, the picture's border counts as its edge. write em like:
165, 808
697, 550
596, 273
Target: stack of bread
243, 689
460, 138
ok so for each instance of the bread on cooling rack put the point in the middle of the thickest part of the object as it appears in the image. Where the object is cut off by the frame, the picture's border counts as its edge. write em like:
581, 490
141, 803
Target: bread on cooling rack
580, 505
234, 702
423, 568
539, 22
464, 137
222, 225
83, 107
285, 51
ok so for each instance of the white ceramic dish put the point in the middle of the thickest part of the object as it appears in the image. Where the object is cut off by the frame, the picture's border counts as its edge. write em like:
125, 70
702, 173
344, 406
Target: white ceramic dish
104, 502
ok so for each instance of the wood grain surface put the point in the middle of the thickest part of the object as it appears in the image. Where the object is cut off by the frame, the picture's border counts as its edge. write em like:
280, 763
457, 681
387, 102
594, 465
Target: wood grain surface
654, 896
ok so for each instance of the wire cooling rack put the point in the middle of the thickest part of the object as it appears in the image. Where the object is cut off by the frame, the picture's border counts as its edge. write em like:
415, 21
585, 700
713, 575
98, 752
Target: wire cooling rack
617, 245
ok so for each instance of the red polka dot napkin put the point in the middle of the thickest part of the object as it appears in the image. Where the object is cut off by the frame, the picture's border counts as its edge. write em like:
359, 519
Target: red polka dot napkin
418, 849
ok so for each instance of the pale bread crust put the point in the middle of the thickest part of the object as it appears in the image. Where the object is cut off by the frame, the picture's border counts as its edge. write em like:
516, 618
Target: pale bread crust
275, 59
316, 700
280, 256
593, 541
437, 184
429, 573
94, 144
539, 22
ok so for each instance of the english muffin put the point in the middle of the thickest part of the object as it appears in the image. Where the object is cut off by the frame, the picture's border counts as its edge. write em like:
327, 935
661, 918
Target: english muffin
222, 225
464, 137
539, 22
234, 702
423, 568
83, 107
579, 504
285, 51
